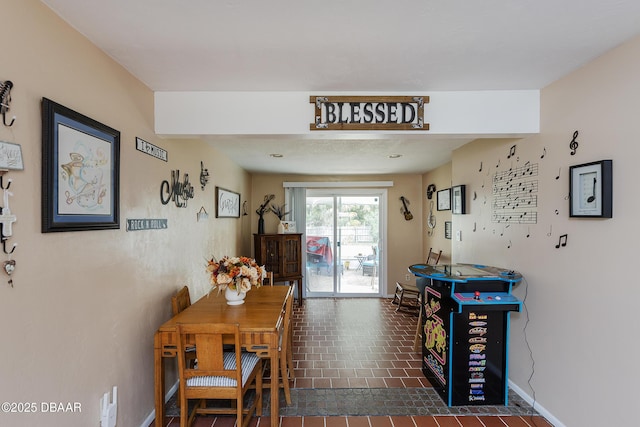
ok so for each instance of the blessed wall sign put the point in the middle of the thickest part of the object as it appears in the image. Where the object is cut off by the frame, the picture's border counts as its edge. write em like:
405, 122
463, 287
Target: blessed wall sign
369, 112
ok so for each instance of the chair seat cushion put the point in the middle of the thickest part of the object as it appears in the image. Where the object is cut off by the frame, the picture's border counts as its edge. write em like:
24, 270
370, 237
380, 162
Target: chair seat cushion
248, 360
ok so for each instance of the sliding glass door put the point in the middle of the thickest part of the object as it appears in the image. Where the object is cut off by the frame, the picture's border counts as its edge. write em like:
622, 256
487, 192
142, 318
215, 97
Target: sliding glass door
344, 233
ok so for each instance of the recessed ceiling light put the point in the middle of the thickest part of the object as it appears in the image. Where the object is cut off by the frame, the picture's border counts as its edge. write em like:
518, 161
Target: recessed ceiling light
276, 155
394, 156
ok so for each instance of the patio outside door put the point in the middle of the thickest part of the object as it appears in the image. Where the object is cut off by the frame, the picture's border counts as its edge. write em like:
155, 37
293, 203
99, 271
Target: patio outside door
343, 236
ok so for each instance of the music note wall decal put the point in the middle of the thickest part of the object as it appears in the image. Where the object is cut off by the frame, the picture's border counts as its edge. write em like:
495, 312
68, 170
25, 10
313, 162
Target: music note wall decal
562, 241
574, 144
512, 152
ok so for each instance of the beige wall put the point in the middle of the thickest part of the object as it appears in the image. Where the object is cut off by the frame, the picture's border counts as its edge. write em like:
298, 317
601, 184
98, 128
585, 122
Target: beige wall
404, 238
434, 238
81, 315
581, 300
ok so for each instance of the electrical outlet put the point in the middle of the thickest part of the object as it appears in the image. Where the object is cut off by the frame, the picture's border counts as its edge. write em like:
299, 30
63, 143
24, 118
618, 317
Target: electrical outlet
407, 277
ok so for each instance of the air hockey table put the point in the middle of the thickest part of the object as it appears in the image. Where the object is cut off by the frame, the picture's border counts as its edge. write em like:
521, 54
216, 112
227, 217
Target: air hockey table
465, 330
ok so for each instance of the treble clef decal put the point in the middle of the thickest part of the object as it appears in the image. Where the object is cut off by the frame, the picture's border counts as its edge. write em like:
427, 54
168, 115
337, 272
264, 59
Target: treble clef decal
574, 144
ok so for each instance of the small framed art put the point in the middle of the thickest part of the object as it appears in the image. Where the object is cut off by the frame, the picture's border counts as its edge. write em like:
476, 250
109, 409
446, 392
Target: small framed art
447, 230
590, 190
444, 199
458, 205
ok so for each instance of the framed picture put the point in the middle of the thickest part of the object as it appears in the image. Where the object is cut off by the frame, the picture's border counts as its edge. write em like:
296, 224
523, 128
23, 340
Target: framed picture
590, 190
227, 203
80, 171
289, 226
10, 156
447, 230
444, 199
458, 199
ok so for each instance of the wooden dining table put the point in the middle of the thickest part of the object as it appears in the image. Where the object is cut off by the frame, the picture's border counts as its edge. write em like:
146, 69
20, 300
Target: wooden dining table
260, 319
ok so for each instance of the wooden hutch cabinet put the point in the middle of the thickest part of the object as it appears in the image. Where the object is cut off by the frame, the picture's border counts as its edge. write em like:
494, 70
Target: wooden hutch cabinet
281, 254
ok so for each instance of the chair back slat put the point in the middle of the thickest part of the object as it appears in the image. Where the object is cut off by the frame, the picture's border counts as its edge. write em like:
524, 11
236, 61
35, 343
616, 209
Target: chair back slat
434, 257
180, 300
209, 340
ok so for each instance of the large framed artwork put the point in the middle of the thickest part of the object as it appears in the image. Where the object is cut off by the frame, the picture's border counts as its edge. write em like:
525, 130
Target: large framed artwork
227, 203
80, 171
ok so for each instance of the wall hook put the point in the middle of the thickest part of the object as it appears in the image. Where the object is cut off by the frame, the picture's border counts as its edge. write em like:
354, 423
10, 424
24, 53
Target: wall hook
2, 183
5, 99
4, 247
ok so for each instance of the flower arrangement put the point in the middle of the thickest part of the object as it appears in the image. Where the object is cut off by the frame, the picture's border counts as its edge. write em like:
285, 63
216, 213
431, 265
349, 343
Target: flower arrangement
237, 273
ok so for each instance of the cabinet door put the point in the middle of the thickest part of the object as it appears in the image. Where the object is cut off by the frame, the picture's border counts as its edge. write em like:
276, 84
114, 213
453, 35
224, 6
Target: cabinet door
272, 251
292, 256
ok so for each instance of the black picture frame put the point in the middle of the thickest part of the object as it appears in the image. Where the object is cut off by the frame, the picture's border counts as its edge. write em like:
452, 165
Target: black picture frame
591, 190
443, 200
80, 171
227, 203
458, 203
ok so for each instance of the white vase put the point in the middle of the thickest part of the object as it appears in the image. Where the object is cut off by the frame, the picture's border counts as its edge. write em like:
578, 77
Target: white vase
233, 297
280, 228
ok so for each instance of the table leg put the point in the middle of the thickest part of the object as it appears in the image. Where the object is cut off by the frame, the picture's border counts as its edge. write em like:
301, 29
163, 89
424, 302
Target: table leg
158, 364
299, 284
275, 380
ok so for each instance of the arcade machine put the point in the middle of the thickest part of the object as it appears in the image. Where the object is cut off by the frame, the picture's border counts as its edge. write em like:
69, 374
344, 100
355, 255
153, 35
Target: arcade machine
465, 330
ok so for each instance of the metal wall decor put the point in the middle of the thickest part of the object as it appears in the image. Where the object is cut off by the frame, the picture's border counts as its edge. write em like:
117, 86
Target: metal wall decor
574, 144
7, 219
152, 150
431, 219
5, 99
179, 192
204, 176
134, 224
431, 188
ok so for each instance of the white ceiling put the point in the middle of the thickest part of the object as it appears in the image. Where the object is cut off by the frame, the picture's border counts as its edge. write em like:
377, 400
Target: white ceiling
349, 46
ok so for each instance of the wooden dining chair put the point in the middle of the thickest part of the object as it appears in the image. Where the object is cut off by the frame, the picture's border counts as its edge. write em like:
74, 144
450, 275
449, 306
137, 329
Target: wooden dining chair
219, 374
180, 300
268, 281
407, 295
434, 257
285, 354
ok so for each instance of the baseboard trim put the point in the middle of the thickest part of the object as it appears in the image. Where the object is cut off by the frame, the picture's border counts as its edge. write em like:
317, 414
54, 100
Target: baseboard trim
536, 405
152, 416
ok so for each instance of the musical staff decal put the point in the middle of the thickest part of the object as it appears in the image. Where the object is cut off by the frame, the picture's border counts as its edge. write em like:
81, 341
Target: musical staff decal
515, 195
